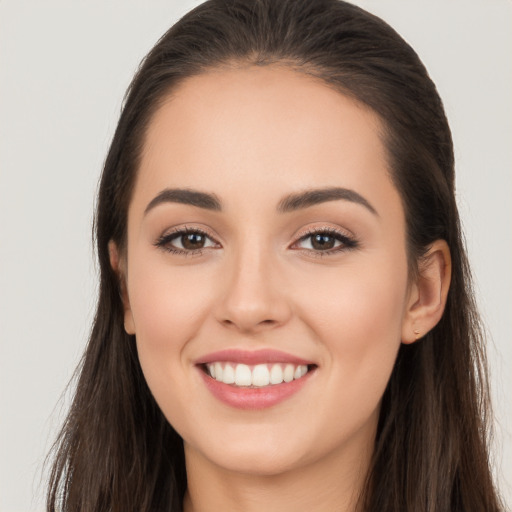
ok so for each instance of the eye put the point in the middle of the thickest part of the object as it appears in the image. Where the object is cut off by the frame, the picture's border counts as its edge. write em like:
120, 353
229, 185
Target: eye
325, 241
186, 241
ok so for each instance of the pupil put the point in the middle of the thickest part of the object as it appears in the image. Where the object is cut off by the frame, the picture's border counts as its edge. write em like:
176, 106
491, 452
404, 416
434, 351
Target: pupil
193, 241
323, 241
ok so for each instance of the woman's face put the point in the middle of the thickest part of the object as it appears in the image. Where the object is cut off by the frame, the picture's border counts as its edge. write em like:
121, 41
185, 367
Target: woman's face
265, 238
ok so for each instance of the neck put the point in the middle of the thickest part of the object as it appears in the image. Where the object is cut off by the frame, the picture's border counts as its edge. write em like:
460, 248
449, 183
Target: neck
331, 484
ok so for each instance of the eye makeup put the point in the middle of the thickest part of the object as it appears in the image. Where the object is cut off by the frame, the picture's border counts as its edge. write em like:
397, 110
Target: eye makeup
192, 241
322, 241
325, 241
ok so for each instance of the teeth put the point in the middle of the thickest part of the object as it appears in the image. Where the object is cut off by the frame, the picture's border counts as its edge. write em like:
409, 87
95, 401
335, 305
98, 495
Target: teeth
243, 375
288, 372
276, 374
229, 375
259, 375
217, 371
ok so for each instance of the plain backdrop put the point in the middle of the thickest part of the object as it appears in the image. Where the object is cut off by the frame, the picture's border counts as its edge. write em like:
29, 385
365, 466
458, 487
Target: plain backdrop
64, 67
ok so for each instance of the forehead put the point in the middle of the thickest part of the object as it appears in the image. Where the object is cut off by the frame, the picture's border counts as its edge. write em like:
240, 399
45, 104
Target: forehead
261, 130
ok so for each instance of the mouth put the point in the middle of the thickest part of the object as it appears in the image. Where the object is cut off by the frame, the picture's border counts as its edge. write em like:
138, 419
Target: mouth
261, 375
254, 380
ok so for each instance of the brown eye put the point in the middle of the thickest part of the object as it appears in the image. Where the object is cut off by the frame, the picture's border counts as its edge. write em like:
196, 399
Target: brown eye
322, 241
326, 242
193, 241
186, 242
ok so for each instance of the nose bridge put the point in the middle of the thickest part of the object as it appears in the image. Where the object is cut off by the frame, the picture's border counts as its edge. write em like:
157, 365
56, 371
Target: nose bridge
253, 296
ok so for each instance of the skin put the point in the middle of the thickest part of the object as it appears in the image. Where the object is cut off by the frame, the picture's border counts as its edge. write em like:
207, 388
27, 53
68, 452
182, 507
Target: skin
252, 136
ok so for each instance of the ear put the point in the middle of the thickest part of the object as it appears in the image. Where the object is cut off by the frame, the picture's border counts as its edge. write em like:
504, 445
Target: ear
428, 293
118, 264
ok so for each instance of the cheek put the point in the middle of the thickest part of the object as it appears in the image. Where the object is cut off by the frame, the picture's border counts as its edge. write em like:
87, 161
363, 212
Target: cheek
358, 319
364, 316
167, 301
168, 307
361, 301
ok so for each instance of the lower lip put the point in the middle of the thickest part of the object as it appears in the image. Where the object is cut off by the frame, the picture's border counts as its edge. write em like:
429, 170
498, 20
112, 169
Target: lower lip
253, 398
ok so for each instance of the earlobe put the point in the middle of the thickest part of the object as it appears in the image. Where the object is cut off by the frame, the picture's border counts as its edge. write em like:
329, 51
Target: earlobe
429, 293
117, 263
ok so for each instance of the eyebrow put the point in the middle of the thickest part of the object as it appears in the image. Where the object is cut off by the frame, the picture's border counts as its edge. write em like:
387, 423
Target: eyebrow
289, 203
185, 196
317, 196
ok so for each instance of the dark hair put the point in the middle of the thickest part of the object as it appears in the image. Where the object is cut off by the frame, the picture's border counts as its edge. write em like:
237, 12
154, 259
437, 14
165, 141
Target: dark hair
116, 451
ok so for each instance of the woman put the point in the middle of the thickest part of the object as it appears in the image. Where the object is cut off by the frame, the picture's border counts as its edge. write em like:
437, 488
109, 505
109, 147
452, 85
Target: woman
285, 316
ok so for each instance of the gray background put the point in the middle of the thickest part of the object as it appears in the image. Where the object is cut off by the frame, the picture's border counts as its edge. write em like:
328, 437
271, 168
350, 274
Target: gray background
64, 67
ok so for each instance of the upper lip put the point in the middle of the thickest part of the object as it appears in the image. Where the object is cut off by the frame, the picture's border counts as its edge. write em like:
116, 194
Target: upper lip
252, 357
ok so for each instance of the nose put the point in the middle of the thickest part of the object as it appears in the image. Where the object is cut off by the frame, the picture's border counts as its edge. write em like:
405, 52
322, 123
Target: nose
254, 296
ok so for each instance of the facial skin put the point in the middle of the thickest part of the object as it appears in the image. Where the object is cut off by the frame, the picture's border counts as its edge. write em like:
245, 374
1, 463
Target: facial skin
252, 136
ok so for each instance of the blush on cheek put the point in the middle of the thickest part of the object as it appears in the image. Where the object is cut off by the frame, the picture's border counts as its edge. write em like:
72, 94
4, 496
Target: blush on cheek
362, 327
165, 308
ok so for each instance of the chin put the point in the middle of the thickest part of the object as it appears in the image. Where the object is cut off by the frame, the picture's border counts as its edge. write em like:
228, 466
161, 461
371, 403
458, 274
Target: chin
257, 462
251, 455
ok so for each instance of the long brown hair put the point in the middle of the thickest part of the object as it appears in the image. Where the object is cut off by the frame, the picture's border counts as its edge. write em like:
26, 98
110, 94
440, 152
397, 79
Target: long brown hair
116, 451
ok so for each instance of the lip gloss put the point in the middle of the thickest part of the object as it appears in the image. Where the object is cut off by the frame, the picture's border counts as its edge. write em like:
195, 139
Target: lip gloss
253, 397
252, 357
250, 397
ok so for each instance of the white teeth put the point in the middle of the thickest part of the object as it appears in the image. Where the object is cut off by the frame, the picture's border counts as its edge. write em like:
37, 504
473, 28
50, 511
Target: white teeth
259, 375
243, 375
218, 371
288, 372
276, 374
228, 376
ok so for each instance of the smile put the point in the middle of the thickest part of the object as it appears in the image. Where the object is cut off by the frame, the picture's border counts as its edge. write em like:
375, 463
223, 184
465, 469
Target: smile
257, 376
254, 380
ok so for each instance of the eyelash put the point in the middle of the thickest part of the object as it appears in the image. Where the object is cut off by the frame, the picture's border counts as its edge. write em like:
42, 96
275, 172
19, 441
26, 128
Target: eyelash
164, 242
347, 243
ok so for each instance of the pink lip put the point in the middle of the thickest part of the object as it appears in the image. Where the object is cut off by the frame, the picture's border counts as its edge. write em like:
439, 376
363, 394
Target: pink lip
254, 398
251, 357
